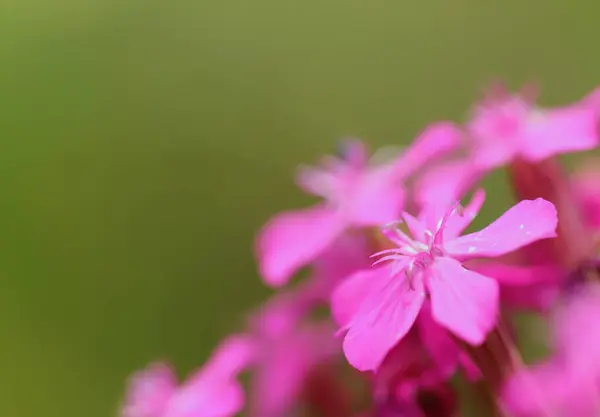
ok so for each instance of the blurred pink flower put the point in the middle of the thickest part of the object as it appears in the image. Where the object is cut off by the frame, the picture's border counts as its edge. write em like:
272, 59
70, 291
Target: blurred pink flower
567, 384
524, 287
355, 195
407, 376
288, 350
212, 391
378, 306
348, 254
506, 127
586, 184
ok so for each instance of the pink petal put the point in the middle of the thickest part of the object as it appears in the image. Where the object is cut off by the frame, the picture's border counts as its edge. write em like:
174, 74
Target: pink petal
550, 389
516, 275
378, 198
434, 141
149, 392
348, 254
522, 224
444, 351
446, 182
291, 240
232, 356
387, 312
525, 287
277, 384
494, 132
575, 330
463, 301
586, 185
207, 398
553, 132
417, 228
458, 222
349, 295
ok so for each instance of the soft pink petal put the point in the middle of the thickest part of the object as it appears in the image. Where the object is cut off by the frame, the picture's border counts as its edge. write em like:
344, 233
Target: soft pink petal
349, 295
417, 228
517, 275
232, 356
550, 389
538, 297
586, 185
463, 301
495, 131
280, 315
434, 141
348, 254
461, 220
553, 132
444, 351
276, 385
378, 198
207, 398
291, 240
525, 287
149, 392
279, 380
592, 99
575, 330
387, 312
522, 224
446, 183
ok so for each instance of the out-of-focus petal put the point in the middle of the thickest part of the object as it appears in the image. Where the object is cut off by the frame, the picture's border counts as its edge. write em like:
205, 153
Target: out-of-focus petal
149, 391
291, 240
446, 182
444, 351
434, 141
207, 398
576, 334
377, 198
559, 131
549, 389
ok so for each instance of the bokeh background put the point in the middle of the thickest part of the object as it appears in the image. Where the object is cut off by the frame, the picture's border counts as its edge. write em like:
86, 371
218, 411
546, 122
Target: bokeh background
142, 143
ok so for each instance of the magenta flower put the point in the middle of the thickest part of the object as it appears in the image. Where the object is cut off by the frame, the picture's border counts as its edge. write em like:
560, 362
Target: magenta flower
408, 379
355, 195
567, 384
586, 184
507, 127
212, 391
531, 287
287, 352
380, 305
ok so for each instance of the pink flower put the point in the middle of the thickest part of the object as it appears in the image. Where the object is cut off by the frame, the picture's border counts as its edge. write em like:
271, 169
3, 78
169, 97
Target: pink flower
568, 384
504, 128
531, 287
211, 392
408, 379
507, 127
288, 351
348, 254
586, 185
355, 195
380, 305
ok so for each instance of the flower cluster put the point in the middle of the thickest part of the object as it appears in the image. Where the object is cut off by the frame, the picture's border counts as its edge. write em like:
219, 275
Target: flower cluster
413, 296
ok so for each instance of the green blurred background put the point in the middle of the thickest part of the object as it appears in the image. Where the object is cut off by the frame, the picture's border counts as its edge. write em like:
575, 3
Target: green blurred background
142, 143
